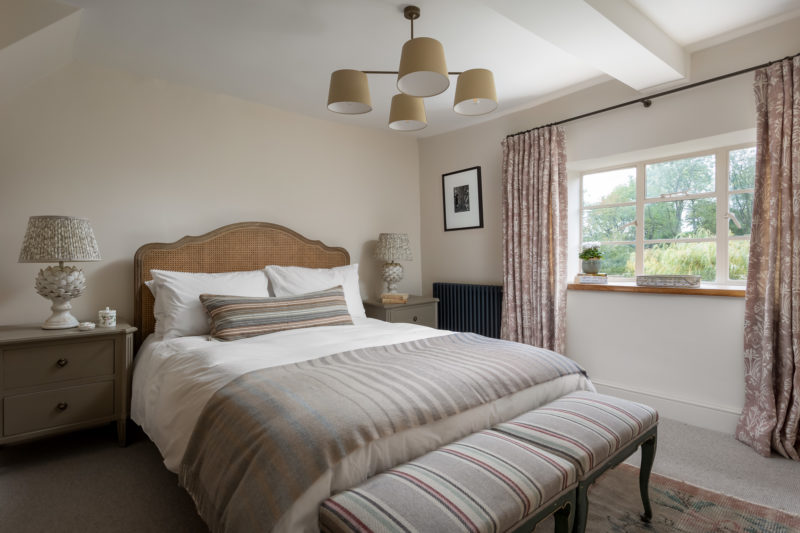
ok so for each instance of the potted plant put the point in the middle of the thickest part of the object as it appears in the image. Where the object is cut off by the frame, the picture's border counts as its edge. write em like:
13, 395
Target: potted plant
591, 257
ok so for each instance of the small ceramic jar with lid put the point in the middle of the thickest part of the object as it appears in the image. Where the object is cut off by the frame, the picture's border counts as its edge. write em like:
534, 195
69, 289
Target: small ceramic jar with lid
107, 318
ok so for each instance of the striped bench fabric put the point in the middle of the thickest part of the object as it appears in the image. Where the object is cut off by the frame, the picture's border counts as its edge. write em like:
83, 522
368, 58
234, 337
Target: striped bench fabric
585, 427
486, 482
595, 432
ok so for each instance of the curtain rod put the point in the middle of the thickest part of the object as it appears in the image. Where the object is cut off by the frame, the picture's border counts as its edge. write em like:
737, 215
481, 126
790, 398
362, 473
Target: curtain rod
647, 101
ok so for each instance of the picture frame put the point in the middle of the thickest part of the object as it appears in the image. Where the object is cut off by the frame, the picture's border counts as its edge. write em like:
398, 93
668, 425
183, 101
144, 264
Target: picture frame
462, 199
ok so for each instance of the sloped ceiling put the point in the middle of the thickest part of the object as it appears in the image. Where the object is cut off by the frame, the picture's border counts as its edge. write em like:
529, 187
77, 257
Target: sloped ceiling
37, 38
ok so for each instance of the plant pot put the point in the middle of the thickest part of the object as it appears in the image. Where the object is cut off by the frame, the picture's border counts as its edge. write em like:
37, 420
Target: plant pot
591, 266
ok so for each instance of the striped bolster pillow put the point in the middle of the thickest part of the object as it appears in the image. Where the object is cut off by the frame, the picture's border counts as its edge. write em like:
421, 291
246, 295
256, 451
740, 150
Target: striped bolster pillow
239, 317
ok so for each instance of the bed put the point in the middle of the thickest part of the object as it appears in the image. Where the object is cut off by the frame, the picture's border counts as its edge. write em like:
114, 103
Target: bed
180, 386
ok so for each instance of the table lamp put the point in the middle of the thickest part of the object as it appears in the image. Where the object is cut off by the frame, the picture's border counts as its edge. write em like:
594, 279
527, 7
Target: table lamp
51, 239
391, 247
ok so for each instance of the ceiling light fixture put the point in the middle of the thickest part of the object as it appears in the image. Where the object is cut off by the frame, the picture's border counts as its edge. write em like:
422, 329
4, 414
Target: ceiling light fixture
422, 73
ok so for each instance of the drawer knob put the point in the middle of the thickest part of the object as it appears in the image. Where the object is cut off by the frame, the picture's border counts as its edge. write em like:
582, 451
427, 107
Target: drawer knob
62, 362
62, 406
415, 318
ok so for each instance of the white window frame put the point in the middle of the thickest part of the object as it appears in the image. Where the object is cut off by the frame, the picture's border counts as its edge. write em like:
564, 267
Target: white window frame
721, 193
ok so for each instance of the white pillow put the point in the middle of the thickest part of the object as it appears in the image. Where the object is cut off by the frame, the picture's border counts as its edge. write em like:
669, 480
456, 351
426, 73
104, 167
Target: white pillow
288, 281
177, 307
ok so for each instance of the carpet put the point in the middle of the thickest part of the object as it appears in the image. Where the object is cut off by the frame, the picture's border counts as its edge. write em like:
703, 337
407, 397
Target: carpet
615, 505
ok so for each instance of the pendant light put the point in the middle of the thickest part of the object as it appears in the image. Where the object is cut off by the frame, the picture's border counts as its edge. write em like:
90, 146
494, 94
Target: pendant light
422, 73
407, 113
349, 92
475, 93
423, 70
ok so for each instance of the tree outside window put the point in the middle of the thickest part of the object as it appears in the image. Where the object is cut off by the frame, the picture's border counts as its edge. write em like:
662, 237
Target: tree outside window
661, 217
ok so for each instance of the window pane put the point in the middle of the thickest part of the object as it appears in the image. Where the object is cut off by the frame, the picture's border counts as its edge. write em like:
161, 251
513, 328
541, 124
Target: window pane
612, 187
740, 217
619, 259
693, 175
681, 219
742, 169
682, 258
609, 224
738, 255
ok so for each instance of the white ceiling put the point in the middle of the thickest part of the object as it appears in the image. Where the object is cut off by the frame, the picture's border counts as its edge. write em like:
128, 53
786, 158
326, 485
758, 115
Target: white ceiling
699, 23
281, 52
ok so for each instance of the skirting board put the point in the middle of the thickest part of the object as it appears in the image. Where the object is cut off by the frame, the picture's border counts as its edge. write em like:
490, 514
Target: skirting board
707, 416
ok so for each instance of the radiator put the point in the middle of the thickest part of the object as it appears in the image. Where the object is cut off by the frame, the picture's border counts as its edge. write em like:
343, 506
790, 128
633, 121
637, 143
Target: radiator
474, 308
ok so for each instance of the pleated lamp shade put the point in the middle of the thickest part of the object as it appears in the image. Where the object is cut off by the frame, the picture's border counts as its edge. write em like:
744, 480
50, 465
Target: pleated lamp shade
423, 71
53, 239
475, 92
407, 113
392, 247
349, 92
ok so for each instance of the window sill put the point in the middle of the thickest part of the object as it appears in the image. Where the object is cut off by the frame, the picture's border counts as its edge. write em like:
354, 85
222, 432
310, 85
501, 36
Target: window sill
736, 291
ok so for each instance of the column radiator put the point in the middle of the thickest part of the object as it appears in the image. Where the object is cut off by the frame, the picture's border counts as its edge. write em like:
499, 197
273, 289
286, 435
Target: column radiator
474, 308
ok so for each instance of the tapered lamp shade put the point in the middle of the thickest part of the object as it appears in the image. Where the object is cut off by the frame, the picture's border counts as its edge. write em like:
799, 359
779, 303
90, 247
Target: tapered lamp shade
349, 92
392, 247
475, 92
407, 113
51, 239
423, 71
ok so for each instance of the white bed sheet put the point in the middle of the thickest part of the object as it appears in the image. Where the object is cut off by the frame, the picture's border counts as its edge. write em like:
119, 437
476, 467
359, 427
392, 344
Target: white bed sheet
174, 379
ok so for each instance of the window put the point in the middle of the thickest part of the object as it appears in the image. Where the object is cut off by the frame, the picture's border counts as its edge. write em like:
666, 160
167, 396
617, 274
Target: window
684, 215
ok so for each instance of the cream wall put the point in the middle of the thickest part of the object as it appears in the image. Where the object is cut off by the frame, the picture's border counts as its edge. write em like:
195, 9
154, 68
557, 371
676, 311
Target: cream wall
679, 353
146, 160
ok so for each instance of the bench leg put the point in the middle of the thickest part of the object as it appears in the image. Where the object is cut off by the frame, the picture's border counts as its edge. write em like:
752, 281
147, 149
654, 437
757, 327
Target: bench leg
564, 517
648, 455
581, 507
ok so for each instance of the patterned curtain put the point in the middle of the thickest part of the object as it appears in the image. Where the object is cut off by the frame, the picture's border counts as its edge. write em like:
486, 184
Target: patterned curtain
772, 305
535, 238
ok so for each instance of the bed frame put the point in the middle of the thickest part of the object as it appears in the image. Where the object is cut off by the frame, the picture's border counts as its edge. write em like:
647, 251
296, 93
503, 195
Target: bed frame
235, 247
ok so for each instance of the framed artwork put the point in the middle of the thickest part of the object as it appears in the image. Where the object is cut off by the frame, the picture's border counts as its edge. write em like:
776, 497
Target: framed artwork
462, 199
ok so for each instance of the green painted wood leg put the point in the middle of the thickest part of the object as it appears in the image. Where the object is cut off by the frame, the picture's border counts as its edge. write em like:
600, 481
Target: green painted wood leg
581, 507
648, 455
564, 517
562, 509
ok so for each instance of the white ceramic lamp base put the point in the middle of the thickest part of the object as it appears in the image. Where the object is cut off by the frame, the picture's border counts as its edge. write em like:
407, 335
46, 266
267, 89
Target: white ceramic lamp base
61, 317
392, 275
60, 284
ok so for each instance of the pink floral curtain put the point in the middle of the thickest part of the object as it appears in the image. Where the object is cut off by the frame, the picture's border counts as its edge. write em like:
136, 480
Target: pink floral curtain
535, 238
772, 306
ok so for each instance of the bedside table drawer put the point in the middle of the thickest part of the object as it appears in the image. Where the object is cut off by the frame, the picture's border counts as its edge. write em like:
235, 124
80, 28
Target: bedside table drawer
52, 363
41, 410
422, 315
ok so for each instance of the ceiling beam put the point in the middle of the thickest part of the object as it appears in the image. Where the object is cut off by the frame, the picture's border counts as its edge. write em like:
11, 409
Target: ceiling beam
610, 35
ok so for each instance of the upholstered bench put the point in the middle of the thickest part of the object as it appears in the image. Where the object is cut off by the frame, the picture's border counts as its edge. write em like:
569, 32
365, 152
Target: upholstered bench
487, 481
596, 432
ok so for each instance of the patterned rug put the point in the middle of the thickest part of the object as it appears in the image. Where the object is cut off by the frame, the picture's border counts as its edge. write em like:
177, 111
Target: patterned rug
615, 505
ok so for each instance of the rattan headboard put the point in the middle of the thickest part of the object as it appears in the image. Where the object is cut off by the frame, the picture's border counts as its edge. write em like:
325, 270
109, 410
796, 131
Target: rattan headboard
242, 246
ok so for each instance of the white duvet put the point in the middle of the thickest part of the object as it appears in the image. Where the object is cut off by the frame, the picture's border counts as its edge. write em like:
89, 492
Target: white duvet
174, 379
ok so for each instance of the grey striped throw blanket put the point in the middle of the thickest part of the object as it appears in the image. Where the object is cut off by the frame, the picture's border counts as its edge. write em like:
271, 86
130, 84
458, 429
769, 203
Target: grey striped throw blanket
264, 438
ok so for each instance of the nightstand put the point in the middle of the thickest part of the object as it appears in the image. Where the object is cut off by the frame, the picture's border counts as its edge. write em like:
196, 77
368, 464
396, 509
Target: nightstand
420, 310
54, 381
